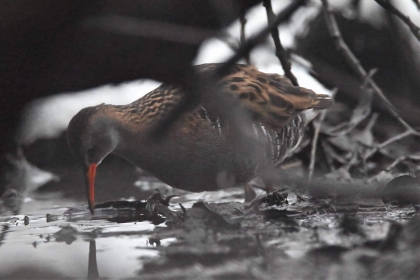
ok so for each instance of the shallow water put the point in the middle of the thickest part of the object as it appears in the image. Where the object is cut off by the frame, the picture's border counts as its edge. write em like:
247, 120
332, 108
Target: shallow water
55, 244
65, 248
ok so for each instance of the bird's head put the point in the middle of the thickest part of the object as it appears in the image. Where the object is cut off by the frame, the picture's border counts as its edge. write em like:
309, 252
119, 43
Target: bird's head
91, 137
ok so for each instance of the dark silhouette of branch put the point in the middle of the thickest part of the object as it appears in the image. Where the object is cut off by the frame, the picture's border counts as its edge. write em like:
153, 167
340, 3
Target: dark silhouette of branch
417, 3
247, 47
390, 8
244, 49
242, 19
134, 27
280, 51
317, 127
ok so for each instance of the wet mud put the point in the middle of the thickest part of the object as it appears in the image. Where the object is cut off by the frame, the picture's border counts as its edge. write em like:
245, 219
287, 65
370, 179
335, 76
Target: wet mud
213, 235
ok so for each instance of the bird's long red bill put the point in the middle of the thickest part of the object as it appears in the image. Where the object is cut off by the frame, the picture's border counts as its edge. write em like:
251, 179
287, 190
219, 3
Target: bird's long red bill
90, 186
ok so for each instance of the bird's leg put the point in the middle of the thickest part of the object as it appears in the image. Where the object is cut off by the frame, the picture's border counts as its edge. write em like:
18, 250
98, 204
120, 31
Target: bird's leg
272, 178
250, 193
268, 185
269, 188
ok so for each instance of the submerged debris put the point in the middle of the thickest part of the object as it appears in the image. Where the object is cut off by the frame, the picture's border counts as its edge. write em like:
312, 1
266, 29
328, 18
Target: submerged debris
66, 234
26, 220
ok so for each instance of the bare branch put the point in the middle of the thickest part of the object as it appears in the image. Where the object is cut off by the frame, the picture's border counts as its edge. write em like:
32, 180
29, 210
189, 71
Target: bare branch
417, 3
257, 39
280, 51
395, 138
368, 77
317, 125
390, 8
242, 20
371, 122
392, 140
395, 163
355, 63
360, 113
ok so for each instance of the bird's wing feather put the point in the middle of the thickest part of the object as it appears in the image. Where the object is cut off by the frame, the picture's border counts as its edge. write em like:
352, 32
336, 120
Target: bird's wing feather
271, 99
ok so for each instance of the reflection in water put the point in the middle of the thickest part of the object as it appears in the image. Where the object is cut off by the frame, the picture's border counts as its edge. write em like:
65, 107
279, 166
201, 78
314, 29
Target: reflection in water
26, 220
57, 248
42, 248
3, 233
67, 234
93, 272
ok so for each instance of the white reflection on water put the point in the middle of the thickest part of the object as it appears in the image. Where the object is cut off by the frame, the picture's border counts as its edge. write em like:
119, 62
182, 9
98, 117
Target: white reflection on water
39, 246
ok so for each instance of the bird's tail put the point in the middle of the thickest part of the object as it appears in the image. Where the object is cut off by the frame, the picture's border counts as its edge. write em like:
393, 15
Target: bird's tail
322, 101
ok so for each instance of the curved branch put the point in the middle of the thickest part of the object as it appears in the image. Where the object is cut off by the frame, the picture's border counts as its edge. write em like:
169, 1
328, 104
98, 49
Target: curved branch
390, 8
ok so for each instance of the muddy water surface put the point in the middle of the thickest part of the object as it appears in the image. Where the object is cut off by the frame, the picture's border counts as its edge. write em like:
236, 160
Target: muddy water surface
58, 238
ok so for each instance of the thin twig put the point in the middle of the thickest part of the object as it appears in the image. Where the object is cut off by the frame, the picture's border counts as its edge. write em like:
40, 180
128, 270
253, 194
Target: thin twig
242, 20
280, 51
332, 153
330, 160
371, 122
394, 163
368, 150
390, 8
355, 63
362, 110
317, 125
369, 77
417, 3
392, 140
257, 39
395, 138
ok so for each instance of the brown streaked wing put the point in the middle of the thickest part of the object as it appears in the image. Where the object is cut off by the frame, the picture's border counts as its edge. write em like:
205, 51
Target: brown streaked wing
270, 98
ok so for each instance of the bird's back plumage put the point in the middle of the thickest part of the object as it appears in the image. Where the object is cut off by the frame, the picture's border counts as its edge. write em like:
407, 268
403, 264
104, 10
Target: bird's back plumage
271, 99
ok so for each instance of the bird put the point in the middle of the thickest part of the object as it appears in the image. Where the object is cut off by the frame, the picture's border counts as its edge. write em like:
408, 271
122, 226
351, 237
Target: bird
244, 125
